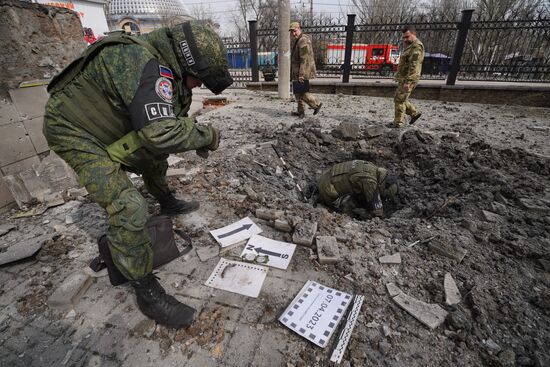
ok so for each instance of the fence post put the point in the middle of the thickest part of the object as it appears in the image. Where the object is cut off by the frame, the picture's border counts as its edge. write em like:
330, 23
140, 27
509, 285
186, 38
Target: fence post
254, 50
463, 28
349, 44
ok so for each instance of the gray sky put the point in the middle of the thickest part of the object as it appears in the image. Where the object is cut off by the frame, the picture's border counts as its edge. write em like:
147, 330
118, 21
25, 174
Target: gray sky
225, 9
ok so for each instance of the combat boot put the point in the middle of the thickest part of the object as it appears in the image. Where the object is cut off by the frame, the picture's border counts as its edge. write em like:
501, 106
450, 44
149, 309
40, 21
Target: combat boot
154, 303
317, 109
414, 118
299, 114
169, 205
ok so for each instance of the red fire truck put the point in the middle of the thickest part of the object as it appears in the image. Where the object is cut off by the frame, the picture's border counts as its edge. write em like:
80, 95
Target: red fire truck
381, 58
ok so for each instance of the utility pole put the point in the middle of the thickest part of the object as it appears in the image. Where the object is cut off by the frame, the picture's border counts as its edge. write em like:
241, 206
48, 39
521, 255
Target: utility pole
284, 49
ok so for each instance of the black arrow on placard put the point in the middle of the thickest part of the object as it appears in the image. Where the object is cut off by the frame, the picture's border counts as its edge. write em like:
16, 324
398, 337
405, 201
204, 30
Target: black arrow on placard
244, 227
266, 252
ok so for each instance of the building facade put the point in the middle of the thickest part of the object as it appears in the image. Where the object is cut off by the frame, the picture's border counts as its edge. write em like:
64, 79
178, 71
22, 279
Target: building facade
143, 16
91, 13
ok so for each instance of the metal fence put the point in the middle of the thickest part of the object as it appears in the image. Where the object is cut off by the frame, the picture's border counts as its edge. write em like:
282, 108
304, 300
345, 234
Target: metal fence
511, 50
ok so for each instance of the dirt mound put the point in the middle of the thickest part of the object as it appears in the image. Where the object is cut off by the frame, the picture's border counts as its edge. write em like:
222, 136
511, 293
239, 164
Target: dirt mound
457, 187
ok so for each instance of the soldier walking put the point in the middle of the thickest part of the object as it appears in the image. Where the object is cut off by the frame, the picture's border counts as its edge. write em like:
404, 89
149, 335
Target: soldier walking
407, 76
302, 68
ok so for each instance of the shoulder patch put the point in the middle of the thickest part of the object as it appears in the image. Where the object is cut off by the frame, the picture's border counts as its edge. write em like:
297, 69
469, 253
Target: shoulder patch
159, 110
166, 72
164, 90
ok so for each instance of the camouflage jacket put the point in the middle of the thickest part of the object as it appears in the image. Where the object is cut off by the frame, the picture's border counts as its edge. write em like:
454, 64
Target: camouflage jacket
410, 63
137, 85
302, 61
359, 178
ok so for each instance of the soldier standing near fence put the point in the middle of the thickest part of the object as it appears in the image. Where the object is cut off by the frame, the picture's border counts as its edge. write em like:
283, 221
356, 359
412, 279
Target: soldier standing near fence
407, 76
302, 68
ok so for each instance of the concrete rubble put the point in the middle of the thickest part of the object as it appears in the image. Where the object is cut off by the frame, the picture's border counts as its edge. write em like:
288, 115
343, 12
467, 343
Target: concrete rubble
269, 214
44, 182
5, 228
24, 248
452, 294
431, 315
304, 233
68, 294
327, 250
390, 259
499, 266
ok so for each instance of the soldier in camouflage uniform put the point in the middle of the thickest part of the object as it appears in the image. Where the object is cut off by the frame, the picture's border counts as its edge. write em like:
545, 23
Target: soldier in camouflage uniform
407, 76
302, 67
357, 184
122, 106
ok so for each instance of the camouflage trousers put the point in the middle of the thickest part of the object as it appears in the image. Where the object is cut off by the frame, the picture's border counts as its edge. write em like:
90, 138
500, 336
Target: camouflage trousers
308, 98
402, 104
108, 185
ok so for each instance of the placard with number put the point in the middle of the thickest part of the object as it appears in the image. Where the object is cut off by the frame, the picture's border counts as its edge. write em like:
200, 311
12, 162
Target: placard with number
315, 312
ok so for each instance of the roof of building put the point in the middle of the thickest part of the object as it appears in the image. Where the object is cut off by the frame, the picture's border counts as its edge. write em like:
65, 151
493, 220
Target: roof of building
157, 7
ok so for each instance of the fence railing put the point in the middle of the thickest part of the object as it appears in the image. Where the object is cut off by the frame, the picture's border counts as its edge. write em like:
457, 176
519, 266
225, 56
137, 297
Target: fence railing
510, 50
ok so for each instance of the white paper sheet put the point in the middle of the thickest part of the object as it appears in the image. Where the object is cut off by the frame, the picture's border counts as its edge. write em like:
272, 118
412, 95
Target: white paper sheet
279, 253
236, 232
238, 277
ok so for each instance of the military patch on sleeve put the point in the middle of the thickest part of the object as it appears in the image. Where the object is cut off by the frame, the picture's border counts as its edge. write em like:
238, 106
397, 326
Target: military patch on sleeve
304, 50
159, 110
165, 72
164, 90
153, 98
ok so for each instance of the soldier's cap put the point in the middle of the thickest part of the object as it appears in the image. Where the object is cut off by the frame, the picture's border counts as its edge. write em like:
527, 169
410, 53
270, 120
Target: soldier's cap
294, 25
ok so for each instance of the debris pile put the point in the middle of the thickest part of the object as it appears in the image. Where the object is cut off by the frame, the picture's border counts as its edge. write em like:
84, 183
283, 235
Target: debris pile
455, 274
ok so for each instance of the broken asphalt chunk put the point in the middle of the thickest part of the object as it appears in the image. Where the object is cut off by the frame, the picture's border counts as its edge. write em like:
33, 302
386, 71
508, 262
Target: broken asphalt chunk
70, 291
304, 233
431, 315
23, 249
452, 294
327, 250
390, 259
